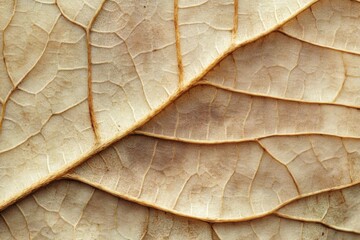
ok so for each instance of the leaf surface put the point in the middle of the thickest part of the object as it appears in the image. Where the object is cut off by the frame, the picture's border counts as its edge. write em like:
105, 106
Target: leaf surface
328, 23
278, 228
263, 128
223, 111
79, 75
338, 209
67, 208
71, 210
6, 10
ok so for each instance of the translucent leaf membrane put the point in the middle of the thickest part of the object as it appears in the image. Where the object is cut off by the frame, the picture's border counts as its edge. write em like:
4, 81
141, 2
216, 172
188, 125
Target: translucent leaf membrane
286, 68
6, 10
207, 29
155, 65
275, 121
71, 210
222, 182
28, 35
78, 75
205, 32
216, 115
248, 170
79, 11
134, 62
46, 122
257, 17
328, 23
279, 228
338, 209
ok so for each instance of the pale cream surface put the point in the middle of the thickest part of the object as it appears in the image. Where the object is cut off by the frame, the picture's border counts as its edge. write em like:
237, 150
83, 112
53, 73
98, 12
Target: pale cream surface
228, 111
338, 209
78, 75
72, 210
274, 121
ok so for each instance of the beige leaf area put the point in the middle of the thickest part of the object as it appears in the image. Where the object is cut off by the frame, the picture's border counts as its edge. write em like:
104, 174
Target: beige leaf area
329, 23
338, 209
223, 182
50, 214
79, 75
209, 119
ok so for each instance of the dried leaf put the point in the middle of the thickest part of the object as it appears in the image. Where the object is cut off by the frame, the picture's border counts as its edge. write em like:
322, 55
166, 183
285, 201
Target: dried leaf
83, 74
71, 210
222, 111
279, 228
338, 209
258, 136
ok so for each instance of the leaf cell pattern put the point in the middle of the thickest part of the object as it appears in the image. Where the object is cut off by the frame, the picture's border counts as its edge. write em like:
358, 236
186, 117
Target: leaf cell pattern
230, 119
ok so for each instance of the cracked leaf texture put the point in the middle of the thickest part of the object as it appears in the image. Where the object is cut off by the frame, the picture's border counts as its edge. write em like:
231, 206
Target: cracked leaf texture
210, 119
